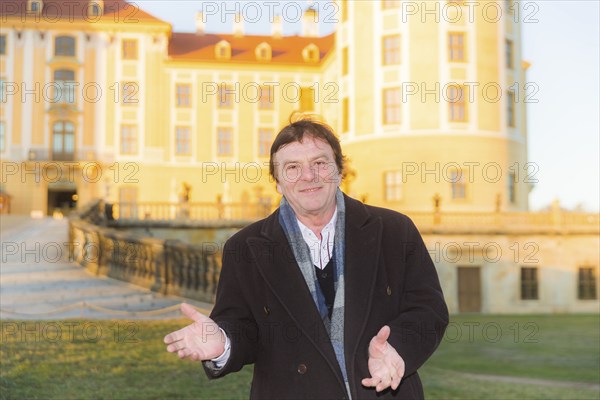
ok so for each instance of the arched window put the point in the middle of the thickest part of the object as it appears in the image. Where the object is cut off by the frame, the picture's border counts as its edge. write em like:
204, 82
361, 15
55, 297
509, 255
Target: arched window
311, 53
64, 88
95, 8
35, 6
63, 141
223, 50
263, 52
64, 46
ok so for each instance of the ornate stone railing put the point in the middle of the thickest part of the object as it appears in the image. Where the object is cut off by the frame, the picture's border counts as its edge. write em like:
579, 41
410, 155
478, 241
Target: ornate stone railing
554, 222
207, 211
192, 270
163, 265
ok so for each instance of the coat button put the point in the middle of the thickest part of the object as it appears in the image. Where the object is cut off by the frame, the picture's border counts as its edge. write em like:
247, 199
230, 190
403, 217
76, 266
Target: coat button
267, 310
302, 369
389, 291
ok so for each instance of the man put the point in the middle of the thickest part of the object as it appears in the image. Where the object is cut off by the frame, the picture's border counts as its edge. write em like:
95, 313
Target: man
328, 297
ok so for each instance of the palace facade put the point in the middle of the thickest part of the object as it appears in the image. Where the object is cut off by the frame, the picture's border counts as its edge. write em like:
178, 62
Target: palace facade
102, 100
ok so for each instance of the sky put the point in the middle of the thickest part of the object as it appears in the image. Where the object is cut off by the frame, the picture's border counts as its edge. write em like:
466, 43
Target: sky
559, 38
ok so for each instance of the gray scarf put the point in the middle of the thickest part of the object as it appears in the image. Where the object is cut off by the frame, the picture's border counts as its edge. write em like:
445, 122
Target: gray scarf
335, 326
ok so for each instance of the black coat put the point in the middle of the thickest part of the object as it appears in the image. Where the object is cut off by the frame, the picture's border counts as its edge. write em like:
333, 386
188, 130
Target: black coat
264, 305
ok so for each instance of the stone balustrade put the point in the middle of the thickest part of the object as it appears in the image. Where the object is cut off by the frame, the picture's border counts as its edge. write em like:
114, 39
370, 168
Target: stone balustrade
100, 241
166, 266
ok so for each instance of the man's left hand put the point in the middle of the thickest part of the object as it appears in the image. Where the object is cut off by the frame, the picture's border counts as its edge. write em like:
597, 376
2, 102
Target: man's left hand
385, 364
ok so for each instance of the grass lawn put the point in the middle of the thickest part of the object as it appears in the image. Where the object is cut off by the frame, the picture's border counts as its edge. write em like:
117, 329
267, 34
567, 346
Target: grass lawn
548, 347
127, 360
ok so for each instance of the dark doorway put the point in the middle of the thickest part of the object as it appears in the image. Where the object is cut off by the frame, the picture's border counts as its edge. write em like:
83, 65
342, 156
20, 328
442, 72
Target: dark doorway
61, 200
469, 289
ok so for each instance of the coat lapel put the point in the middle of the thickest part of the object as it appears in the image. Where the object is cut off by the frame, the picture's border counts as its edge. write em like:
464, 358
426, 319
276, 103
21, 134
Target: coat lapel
363, 241
279, 269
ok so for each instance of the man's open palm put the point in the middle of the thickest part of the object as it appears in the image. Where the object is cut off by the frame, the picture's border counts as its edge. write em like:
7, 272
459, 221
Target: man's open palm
201, 340
385, 364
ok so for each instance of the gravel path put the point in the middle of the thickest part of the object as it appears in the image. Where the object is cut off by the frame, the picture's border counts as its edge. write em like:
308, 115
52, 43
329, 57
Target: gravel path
37, 281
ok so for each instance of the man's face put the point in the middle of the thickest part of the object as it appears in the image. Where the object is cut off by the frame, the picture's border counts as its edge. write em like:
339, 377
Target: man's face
307, 176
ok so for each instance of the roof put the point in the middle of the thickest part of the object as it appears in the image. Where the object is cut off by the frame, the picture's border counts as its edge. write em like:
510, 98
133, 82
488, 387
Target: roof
285, 50
119, 11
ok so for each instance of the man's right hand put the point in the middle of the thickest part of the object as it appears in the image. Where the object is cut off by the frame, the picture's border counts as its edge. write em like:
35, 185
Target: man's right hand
201, 340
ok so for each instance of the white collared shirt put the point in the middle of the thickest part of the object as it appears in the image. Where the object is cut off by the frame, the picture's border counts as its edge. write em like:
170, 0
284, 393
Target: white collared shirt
321, 250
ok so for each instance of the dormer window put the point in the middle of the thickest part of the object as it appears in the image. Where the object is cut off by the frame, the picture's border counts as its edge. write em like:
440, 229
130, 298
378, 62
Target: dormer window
95, 8
311, 53
223, 50
263, 52
35, 6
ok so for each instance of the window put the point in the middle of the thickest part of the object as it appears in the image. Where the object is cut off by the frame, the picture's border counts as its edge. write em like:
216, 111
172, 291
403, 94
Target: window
391, 106
266, 101
64, 86
458, 184
389, 4
311, 53
457, 105
130, 49
456, 47
34, 6
223, 50
265, 138
63, 141
345, 115
2, 45
130, 93
512, 187
307, 99
225, 94
391, 50
182, 140
392, 185
586, 284
263, 52
128, 139
345, 61
64, 46
3, 99
509, 54
182, 95
529, 283
2, 137
224, 141
510, 109
94, 10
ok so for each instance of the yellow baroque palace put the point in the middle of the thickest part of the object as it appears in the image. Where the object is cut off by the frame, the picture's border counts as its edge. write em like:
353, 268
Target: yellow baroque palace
103, 100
